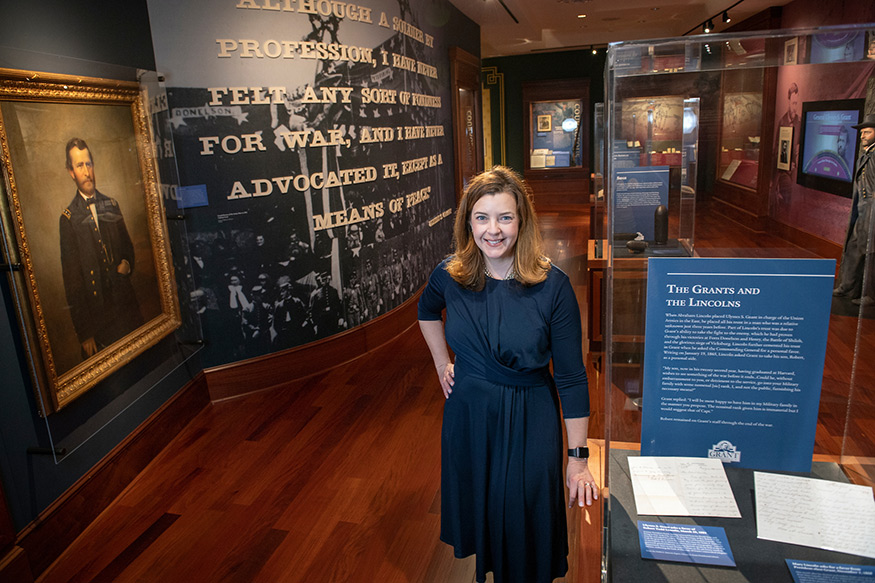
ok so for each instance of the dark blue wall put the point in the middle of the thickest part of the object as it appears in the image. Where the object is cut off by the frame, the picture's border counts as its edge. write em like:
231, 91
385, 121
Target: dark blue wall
99, 30
95, 39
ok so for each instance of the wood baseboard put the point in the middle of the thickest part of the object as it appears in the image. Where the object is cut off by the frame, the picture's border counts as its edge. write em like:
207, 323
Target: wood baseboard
806, 240
752, 221
14, 567
43, 540
266, 372
800, 238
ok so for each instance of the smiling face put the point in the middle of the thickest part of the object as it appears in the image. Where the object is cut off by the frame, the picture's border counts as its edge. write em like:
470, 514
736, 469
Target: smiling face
494, 228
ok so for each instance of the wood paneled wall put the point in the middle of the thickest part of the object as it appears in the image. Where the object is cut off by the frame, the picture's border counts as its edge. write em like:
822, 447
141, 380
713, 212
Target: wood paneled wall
264, 372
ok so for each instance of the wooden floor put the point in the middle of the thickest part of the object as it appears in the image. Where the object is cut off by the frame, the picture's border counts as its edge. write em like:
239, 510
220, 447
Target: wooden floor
336, 478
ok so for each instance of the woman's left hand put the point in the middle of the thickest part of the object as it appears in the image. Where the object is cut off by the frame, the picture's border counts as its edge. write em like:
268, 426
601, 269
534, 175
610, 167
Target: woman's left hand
581, 485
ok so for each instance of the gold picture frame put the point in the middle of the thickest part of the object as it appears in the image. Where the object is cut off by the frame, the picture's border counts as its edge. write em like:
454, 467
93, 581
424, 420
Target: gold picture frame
545, 123
785, 147
791, 52
71, 322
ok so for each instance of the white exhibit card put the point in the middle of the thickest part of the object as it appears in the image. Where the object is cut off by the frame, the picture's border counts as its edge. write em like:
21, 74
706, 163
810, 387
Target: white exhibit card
815, 513
681, 486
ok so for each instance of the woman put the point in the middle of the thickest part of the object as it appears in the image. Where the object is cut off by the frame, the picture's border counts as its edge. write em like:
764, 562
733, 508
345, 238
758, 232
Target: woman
508, 312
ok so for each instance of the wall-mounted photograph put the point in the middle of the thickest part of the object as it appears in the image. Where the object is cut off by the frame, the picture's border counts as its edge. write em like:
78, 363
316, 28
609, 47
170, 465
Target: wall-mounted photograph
785, 147
545, 123
84, 229
790, 51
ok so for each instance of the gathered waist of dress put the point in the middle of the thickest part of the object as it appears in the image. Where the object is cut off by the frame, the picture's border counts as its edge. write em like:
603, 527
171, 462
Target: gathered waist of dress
500, 374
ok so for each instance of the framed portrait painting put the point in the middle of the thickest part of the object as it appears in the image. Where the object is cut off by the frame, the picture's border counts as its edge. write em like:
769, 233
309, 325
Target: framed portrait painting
791, 46
84, 232
545, 123
785, 147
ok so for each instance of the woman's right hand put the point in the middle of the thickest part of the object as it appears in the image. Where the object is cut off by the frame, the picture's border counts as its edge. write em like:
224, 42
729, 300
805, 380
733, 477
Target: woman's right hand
447, 375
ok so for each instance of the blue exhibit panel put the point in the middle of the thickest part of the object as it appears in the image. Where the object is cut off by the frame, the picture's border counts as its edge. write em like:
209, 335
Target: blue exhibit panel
815, 572
684, 543
733, 360
638, 192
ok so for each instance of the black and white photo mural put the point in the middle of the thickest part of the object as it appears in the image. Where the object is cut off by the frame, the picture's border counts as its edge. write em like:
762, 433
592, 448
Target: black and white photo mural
313, 145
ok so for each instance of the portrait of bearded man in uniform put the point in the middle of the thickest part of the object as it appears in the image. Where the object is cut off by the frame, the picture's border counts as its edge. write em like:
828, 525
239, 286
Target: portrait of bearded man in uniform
97, 259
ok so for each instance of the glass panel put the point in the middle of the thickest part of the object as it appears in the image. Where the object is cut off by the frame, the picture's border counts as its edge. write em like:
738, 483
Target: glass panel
654, 127
598, 229
741, 123
598, 142
689, 171
726, 116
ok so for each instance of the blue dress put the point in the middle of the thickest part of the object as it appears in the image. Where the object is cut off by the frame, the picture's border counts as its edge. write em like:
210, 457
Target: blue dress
502, 480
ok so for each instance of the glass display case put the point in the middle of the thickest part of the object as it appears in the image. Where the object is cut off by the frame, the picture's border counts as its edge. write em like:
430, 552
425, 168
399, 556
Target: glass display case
711, 233
555, 134
556, 130
598, 226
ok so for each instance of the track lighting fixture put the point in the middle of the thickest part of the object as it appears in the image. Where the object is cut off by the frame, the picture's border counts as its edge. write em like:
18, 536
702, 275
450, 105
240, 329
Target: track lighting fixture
708, 24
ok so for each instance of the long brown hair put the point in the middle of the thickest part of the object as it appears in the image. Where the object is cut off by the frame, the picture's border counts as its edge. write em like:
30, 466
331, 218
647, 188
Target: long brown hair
467, 265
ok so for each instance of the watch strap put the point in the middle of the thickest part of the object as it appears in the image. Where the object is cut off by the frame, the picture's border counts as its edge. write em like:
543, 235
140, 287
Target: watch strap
579, 452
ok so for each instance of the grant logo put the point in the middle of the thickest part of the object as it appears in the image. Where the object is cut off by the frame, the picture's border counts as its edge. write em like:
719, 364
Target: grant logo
725, 452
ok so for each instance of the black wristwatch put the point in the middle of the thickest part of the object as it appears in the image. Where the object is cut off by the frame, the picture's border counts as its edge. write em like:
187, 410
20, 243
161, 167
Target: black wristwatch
579, 452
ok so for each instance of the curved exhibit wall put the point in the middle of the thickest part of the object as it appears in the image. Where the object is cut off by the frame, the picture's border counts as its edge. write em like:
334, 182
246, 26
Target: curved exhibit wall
313, 141
368, 235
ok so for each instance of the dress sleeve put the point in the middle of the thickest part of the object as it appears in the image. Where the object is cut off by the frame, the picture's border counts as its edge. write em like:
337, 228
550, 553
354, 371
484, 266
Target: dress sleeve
432, 302
569, 372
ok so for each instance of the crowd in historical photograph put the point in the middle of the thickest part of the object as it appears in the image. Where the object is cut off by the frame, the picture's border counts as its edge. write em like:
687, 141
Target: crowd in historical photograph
264, 291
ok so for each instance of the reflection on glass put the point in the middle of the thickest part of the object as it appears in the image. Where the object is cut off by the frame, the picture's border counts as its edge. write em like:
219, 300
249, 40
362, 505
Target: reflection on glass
740, 147
741, 122
653, 126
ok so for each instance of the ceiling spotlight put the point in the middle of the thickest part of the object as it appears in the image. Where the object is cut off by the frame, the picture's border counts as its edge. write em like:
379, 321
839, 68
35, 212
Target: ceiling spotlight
726, 17
594, 50
709, 26
581, 15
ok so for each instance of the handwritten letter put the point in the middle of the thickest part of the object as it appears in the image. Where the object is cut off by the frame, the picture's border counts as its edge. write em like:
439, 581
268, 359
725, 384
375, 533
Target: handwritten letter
681, 486
815, 513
